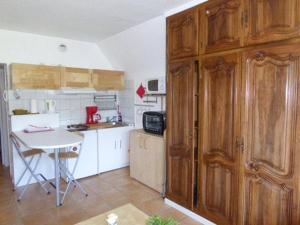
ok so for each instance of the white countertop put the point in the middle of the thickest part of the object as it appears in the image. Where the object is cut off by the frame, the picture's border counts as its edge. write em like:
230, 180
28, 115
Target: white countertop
58, 138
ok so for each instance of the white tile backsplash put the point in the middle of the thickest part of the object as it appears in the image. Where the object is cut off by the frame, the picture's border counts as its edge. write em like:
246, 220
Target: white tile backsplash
126, 99
70, 107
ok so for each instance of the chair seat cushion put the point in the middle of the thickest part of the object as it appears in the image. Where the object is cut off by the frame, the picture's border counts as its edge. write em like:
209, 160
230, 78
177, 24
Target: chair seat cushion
32, 152
64, 155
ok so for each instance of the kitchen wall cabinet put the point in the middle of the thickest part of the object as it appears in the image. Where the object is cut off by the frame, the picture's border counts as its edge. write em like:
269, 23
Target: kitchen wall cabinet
182, 77
271, 20
183, 34
108, 80
26, 76
219, 112
113, 147
88, 161
76, 78
220, 25
270, 172
147, 159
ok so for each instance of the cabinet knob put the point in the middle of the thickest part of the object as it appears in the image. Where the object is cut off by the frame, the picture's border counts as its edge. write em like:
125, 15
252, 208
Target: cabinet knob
253, 166
207, 12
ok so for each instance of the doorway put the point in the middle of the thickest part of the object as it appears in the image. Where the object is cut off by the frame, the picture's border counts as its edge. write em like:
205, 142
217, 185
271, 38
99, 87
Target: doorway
4, 116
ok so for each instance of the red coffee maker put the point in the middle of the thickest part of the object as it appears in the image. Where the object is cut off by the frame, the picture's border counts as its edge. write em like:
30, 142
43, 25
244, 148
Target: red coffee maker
92, 116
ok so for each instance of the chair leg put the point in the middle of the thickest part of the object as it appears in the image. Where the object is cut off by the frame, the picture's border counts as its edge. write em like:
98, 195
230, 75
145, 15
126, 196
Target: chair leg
32, 175
71, 180
22, 175
77, 184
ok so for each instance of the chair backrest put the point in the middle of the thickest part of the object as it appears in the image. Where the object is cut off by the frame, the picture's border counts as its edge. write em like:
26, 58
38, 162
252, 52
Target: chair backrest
16, 143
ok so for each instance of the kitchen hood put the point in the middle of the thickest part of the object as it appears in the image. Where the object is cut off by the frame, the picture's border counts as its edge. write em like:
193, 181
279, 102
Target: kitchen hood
70, 91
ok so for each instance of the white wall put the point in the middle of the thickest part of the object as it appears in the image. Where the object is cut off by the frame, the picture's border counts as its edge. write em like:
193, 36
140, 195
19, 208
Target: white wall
18, 47
140, 50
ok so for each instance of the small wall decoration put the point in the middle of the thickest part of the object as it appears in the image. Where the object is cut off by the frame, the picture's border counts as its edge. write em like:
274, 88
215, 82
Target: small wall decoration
141, 91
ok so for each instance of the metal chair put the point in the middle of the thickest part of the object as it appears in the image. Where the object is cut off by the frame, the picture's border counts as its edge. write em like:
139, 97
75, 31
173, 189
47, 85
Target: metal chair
32, 154
65, 172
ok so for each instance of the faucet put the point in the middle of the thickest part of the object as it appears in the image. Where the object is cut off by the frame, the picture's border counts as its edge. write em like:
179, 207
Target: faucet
111, 120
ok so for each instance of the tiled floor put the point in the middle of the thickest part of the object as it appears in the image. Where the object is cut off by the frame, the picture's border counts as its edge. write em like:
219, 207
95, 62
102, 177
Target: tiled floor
106, 191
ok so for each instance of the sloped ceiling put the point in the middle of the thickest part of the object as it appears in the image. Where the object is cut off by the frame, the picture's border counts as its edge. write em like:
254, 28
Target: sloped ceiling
86, 20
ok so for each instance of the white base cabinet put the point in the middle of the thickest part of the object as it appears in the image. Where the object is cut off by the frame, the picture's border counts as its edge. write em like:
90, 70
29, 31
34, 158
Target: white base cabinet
88, 161
113, 147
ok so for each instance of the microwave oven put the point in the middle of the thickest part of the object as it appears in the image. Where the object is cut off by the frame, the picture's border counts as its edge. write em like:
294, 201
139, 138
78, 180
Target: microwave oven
154, 122
156, 86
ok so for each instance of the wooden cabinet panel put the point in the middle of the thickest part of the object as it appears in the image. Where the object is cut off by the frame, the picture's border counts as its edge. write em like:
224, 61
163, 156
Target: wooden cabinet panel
182, 35
221, 27
271, 20
147, 159
76, 78
180, 132
270, 171
26, 76
108, 80
219, 128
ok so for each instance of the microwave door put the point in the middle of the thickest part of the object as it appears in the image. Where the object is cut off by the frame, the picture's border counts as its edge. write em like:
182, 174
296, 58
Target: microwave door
153, 85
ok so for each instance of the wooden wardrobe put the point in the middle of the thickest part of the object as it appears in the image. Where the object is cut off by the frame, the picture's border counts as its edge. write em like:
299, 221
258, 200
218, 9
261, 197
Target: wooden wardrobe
233, 107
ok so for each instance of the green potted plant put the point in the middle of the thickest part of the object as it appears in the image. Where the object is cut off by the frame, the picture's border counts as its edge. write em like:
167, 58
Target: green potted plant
157, 220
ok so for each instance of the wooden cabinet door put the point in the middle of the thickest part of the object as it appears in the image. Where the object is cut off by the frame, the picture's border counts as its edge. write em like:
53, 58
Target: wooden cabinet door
76, 77
180, 97
221, 25
270, 163
136, 164
220, 87
271, 20
182, 33
26, 76
108, 80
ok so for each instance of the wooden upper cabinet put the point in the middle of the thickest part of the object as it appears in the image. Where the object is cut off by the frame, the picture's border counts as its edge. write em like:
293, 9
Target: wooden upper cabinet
108, 80
271, 173
271, 20
221, 27
26, 76
76, 78
182, 34
180, 132
218, 140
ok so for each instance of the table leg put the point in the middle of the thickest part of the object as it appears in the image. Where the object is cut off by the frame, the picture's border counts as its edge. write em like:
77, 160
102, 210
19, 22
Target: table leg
57, 177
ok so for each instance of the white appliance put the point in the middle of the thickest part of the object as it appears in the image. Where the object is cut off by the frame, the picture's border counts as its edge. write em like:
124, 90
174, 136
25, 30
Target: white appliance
4, 115
156, 85
88, 161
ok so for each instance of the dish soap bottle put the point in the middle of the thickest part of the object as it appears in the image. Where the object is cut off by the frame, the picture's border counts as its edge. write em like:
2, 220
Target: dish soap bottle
119, 115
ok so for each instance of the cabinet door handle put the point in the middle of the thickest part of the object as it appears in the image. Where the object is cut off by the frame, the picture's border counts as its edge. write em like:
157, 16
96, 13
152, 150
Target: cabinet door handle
120, 144
245, 18
115, 144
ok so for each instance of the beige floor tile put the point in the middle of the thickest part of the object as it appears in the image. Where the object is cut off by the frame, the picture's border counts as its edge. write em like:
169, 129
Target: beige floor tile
105, 192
